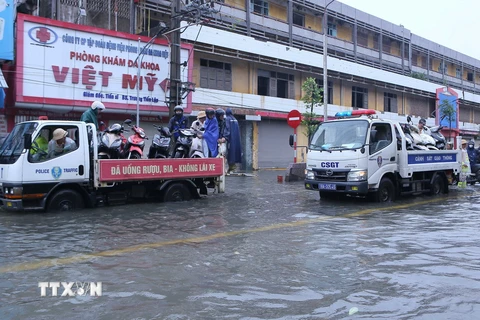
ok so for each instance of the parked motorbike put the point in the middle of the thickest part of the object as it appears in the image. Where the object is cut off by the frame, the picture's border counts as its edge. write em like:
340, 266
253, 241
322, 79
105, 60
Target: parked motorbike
414, 142
196, 150
161, 143
184, 143
111, 141
440, 141
135, 143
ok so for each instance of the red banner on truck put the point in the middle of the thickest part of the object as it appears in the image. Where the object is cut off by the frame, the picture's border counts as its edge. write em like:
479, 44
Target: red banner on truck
159, 169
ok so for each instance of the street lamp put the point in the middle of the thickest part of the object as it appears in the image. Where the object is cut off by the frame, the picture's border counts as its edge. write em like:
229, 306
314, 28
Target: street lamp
162, 27
325, 53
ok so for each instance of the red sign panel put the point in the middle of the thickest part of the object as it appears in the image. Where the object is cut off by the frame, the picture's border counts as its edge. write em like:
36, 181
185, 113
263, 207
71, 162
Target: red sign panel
159, 169
294, 118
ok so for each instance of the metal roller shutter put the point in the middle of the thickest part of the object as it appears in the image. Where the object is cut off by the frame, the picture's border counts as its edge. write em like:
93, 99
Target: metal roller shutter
273, 148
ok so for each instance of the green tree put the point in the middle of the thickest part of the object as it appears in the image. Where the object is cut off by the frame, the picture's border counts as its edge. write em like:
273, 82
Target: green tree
448, 112
312, 98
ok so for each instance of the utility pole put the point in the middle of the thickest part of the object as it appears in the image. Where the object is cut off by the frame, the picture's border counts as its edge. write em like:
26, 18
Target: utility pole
175, 80
325, 55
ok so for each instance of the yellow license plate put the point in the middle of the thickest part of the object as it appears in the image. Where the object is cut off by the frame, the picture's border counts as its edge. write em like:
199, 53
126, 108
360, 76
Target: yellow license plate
9, 204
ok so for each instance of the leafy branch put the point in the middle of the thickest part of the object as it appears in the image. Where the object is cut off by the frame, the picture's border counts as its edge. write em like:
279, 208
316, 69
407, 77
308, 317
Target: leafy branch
312, 98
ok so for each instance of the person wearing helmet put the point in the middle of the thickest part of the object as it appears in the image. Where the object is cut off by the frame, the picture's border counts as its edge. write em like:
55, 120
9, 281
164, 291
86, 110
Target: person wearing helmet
465, 170
220, 115
177, 122
91, 114
472, 153
210, 135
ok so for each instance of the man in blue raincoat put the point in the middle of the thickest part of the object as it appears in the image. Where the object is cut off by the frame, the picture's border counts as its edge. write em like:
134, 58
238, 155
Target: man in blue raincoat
210, 135
232, 134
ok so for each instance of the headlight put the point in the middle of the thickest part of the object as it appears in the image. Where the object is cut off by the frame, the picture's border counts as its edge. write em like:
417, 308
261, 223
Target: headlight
357, 175
309, 174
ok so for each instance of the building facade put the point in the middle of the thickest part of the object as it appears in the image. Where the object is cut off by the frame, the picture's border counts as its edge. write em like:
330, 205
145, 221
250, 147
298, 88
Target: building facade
254, 55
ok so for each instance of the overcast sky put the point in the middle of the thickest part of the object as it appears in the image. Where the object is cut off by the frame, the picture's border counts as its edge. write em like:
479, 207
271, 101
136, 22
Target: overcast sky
454, 24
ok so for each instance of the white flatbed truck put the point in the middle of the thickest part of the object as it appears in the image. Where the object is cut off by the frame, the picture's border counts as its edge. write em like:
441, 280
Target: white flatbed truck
78, 179
367, 156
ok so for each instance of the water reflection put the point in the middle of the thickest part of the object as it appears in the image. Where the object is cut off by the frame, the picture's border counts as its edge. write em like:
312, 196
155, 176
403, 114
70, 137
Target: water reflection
392, 262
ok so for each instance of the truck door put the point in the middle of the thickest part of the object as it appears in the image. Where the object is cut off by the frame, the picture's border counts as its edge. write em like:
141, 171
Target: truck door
59, 154
382, 150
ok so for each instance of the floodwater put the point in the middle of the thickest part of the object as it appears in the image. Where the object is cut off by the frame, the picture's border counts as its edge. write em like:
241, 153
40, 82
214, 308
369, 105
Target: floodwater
262, 250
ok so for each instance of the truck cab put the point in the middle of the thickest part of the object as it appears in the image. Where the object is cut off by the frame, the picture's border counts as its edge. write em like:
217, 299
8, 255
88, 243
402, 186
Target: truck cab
30, 165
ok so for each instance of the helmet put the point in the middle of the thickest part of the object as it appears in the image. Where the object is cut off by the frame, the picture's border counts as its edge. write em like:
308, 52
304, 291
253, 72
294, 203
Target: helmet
210, 111
178, 108
471, 144
98, 105
115, 128
219, 112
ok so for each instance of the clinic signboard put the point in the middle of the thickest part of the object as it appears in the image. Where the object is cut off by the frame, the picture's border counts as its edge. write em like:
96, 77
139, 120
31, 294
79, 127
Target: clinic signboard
7, 16
60, 63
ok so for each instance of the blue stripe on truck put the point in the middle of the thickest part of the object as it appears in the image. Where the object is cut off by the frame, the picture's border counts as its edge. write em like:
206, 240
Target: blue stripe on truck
431, 158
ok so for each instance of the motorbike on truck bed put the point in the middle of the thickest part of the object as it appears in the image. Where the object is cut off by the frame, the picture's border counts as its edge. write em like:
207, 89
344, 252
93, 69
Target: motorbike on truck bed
77, 178
361, 155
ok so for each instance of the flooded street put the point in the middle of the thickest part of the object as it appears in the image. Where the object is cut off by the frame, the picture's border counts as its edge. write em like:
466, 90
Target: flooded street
262, 250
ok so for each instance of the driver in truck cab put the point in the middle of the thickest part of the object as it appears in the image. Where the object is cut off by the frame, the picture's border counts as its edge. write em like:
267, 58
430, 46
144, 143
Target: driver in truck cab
60, 143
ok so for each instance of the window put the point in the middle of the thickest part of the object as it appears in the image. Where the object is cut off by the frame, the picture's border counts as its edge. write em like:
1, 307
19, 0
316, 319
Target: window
380, 137
44, 147
215, 75
470, 76
362, 37
359, 97
390, 102
299, 19
332, 29
275, 84
458, 72
259, 6
330, 89
442, 68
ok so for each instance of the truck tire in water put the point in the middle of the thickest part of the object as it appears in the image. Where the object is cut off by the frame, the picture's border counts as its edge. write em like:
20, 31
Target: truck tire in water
65, 200
438, 186
177, 192
385, 192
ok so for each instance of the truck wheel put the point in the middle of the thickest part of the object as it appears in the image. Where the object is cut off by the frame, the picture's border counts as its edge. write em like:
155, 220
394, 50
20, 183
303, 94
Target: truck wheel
177, 192
438, 186
65, 200
134, 155
385, 192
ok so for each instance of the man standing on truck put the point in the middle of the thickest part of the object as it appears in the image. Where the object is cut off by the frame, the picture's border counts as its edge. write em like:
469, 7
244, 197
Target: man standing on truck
91, 115
421, 124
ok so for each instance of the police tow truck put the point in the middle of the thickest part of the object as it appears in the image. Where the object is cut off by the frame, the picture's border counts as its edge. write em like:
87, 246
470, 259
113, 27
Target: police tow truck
361, 155
32, 178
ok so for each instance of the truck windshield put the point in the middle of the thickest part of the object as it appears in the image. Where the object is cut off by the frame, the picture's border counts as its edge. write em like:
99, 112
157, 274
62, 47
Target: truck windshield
340, 135
12, 147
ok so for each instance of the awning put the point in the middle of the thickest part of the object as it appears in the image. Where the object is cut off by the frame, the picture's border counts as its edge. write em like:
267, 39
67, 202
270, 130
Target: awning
3, 83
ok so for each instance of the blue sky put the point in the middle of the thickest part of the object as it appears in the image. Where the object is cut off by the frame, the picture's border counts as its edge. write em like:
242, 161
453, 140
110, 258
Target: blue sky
454, 24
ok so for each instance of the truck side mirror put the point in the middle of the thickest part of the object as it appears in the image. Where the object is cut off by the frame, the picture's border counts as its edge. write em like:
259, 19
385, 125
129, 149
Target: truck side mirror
27, 141
290, 140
